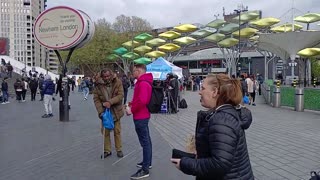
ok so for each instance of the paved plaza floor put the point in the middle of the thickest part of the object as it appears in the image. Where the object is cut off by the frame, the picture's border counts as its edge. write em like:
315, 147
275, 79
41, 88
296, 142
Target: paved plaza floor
283, 144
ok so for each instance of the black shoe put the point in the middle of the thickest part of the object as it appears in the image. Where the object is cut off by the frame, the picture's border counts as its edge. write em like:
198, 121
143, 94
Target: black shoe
69, 107
253, 104
120, 154
51, 115
139, 165
140, 174
45, 116
106, 154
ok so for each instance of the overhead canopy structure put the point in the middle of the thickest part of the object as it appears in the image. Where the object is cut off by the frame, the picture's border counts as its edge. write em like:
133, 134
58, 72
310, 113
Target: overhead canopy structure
290, 42
161, 67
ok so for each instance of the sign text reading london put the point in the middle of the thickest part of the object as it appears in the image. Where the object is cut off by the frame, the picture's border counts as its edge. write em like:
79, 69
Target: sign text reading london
61, 27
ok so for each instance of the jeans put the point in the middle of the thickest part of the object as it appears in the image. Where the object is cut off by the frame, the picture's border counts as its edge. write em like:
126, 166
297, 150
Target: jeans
5, 96
47, 101
85, 92
142, 130
24, 92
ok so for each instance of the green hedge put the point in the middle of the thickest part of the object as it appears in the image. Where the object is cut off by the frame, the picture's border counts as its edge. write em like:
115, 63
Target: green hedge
312, 99
287, 96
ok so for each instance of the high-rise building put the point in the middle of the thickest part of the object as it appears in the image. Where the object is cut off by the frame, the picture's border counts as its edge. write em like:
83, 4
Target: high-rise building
17, 18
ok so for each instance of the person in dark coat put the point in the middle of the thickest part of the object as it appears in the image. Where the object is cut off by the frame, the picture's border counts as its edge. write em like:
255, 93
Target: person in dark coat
33, 84
221, 148
126, 85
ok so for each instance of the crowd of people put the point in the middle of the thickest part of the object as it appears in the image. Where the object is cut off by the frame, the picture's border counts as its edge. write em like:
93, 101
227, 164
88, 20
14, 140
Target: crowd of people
220, 148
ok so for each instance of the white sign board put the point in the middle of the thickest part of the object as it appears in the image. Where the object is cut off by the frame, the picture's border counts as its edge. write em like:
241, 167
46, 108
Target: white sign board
62, 28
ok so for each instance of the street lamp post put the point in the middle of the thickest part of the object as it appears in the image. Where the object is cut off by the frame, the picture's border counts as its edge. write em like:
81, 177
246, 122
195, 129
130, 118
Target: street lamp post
238, 11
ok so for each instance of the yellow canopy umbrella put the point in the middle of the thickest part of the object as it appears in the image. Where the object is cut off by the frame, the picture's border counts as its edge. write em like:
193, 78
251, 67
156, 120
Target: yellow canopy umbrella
215, 37
130, 44
254, 38
170, 35
185, 28
155, 54
308, 18
265, 22
309, 52
170, 47
229, 42
286, 28
142, 49
155, 42
245, 32
185, 40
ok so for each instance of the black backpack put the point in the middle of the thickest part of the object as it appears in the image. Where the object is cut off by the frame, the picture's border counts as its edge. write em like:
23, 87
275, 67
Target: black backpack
183, 104
314, 175
156, 99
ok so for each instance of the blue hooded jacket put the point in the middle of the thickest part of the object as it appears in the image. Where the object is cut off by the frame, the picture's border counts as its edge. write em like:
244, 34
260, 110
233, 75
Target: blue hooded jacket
48, 87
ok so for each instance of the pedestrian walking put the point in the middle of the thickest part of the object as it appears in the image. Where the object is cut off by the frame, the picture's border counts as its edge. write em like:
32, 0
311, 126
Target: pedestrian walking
48, 90
24, 91
33, 87
85, 87
19, 87
126, 85
4, 89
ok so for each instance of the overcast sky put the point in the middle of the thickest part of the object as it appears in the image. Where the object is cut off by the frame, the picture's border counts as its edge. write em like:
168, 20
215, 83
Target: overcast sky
163, 13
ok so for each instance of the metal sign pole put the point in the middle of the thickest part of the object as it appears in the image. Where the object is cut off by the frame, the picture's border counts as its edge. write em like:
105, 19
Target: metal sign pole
64, 98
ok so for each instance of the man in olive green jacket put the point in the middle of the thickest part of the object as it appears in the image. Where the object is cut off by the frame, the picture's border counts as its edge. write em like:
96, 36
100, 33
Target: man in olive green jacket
108, 93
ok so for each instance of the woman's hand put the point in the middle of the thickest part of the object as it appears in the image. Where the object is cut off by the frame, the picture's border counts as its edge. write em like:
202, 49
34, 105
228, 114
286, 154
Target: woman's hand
176, 162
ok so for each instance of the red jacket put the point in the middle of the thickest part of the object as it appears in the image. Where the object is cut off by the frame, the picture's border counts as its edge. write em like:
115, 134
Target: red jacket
141, 97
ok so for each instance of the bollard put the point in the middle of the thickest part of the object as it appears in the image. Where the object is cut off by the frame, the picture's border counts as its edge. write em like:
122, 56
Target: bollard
276, 98
299, 99
268, 89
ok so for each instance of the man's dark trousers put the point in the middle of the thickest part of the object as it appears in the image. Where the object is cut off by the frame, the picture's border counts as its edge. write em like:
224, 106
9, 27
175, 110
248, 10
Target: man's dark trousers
142, 130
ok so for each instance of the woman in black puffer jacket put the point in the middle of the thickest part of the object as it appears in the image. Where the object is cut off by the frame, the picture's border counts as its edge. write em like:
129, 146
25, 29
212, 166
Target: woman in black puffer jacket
220, 138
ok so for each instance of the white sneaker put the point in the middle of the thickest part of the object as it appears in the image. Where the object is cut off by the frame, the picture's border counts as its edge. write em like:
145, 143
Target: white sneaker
4, 103
7, 102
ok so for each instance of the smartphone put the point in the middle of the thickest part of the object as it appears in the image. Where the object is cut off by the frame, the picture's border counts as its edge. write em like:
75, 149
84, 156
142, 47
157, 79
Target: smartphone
178, 154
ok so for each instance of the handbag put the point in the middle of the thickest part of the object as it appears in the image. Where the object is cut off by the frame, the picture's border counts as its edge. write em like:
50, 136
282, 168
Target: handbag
246, 100
107, 119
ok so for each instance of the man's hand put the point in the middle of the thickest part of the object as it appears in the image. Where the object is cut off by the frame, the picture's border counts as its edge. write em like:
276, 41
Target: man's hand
107, 104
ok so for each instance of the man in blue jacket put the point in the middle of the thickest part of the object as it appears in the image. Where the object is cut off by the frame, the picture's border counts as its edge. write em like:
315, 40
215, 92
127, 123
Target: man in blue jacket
48, 90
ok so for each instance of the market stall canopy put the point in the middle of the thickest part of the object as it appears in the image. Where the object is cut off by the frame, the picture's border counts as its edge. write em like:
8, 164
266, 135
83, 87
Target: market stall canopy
245, 32
185, 40
291, 42
170, 47
170, 35
216, 23
308, 18
161, 67
155, 54
120, 51
155, 42
215, 37
229, 42
142, 60
184, 28
265, 22
142, 49
143, 37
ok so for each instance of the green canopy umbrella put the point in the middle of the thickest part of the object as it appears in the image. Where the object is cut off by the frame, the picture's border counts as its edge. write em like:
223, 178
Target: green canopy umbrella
202, 33
113, 57
215, 37
120, 51
143, 37
229, 28
216, 23
130, 55
308, 18
142, 60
